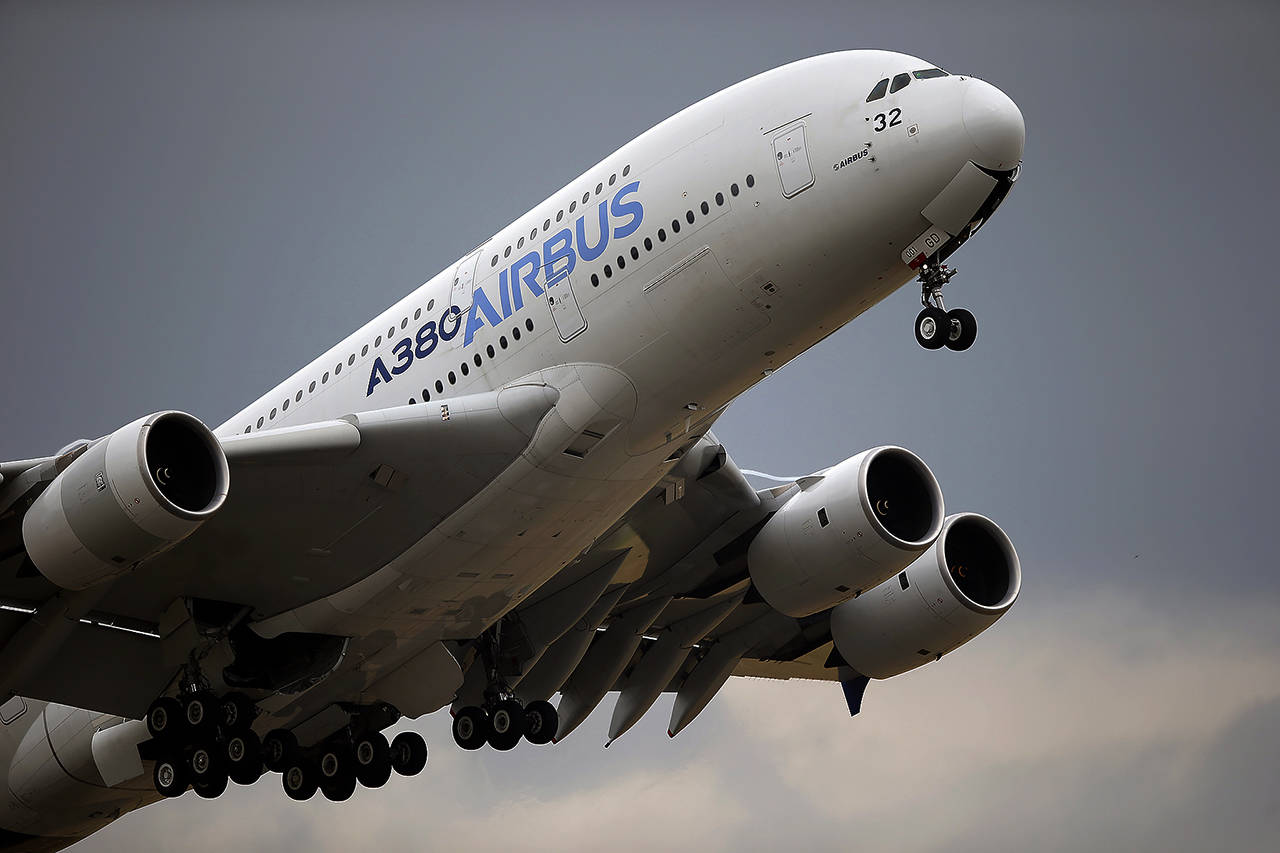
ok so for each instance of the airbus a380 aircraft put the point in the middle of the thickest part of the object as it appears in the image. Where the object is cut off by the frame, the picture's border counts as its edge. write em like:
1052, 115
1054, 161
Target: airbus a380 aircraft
504, 487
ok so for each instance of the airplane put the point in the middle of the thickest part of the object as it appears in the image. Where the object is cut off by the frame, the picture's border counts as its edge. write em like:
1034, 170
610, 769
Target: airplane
505, 486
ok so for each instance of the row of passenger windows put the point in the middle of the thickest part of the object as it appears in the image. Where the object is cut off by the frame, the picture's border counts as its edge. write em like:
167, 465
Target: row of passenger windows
464, 369
337, 370
900, 81
573, 206
689, 217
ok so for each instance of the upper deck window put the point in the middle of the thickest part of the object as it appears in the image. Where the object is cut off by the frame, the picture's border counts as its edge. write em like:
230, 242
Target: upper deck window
900, 81
929, 73
877, 92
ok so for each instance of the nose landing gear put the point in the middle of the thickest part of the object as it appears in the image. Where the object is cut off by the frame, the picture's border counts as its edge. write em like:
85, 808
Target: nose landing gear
937, 327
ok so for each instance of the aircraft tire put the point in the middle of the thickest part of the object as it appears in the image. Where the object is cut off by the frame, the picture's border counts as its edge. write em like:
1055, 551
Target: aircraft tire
372, 760
203, 762
540, 722
243, 756
506, 725
299, 780
471, 728
164, 718
169, 776
931, 327
213, 788
963, 329
236, 712
278, 747
408, 753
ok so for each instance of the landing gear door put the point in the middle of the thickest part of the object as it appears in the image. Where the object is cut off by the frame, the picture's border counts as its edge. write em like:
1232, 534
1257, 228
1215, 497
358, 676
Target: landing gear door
792, 157
464, 279
565, 312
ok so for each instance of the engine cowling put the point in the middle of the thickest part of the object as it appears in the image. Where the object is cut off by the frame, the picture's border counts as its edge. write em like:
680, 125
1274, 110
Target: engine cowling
125, 499
846, 530
956, 590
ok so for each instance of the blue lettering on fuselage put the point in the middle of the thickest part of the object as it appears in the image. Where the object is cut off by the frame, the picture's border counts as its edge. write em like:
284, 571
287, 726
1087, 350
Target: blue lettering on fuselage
616, 219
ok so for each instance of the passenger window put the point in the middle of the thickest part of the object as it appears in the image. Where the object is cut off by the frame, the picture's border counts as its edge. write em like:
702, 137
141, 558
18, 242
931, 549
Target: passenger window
900, 82
877, 92
929, 73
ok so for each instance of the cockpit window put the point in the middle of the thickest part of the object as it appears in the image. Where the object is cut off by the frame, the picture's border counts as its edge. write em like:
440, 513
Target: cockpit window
877, 92
928, 73
899, 82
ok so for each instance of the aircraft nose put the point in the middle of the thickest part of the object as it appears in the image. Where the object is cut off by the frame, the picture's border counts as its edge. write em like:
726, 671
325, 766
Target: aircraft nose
994, 124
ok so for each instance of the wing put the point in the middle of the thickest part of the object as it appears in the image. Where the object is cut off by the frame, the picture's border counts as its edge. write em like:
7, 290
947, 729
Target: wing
663, 603
310, 510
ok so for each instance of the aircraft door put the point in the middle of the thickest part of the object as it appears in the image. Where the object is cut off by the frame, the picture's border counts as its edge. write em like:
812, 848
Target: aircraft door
792, 156
565, 312
464, 279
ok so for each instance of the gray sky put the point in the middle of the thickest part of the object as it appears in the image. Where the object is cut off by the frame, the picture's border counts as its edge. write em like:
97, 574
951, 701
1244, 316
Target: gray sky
194, 202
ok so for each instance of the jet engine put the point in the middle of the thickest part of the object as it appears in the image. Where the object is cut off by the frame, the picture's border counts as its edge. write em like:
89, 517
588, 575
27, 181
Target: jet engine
952, 593
126, 498
846, 530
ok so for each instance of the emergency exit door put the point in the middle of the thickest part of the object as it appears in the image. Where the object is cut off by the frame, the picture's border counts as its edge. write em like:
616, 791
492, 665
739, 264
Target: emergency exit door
792, 156
565, 312
464, 278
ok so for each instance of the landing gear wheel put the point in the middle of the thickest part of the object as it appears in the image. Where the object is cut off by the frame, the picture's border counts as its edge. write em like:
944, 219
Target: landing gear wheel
506, 725
540, 722
340, 789
471, 728
336, 775
236, 712
213, 788
962, 329
408, 753
243, 755
931, 327
299, 781
164, 718
277, 748
372, 760
198, 711
203, 763
169, 776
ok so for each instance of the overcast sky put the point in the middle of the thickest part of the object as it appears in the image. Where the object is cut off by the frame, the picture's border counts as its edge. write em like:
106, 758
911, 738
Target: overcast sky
195, 202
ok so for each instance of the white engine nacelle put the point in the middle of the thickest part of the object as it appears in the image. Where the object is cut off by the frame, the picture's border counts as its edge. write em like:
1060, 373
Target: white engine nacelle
128, 497
953, 593
846, 530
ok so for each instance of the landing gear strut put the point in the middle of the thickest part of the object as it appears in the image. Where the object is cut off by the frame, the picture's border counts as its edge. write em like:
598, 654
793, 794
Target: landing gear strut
937, 327
502, 719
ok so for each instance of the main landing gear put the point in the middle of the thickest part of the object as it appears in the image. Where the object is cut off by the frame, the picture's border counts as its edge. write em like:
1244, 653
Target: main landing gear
336, 765
203, 742
502, 719
937, 327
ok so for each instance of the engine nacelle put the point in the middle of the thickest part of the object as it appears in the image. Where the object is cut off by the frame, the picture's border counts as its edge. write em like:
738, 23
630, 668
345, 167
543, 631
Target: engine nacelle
954, 592
125, 499
846, 530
